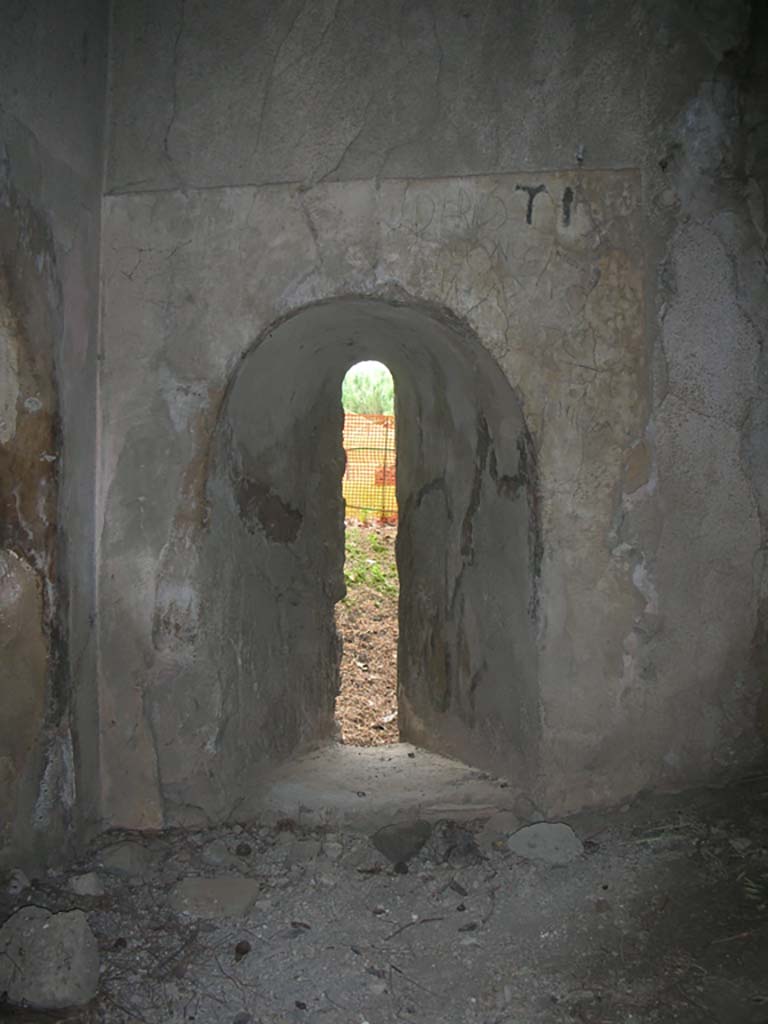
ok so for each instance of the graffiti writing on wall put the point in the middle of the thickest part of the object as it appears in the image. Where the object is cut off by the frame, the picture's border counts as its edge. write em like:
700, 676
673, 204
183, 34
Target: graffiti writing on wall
492, 216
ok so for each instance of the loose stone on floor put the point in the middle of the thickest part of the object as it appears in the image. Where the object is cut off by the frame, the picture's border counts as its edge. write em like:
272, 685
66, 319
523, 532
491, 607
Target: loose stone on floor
655, 916
548, 842
48, 961
214, 897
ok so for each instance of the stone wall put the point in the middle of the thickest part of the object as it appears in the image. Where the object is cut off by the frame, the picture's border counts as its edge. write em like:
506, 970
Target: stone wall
53, 73
582, 187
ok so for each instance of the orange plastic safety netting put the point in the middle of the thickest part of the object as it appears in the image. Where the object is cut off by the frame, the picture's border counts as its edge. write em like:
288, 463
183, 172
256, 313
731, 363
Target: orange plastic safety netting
369, 478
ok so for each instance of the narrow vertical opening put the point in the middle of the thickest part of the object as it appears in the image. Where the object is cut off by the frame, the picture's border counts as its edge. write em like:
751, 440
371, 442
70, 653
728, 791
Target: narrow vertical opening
367, 617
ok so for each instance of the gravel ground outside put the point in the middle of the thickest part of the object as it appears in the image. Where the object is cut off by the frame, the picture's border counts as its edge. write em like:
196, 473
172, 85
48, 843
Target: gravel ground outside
366, 707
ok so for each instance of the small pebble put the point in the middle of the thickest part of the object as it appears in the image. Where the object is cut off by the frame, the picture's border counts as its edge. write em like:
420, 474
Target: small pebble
741, 844
86, 885
17, 883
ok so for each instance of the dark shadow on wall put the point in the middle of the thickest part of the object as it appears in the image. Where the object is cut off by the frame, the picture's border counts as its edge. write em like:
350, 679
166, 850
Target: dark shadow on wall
37, 782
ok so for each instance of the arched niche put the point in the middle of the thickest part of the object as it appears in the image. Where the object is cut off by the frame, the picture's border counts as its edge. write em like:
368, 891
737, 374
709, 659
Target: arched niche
271, 562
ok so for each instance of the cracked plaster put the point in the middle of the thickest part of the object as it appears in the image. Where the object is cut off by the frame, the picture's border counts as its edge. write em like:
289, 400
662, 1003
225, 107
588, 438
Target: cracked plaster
606, 313
558, 307
629, 317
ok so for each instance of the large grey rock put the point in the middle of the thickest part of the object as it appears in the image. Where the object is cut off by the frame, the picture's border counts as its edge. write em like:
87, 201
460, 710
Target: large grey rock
128, 858
548, 842
400, 842
303, 851
86, 885
48, 961
218, 855
214, 897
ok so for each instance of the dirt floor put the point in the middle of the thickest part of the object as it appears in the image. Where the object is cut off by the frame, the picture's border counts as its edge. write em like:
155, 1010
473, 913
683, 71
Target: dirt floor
366, 707
401, 891
661, 917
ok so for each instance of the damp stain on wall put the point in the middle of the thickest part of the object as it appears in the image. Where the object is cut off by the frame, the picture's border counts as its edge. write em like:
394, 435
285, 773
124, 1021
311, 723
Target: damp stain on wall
33, 662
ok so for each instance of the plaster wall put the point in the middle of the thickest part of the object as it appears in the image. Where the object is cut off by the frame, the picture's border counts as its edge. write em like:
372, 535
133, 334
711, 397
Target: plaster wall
583, 186
568, 340
53, 75
270, 555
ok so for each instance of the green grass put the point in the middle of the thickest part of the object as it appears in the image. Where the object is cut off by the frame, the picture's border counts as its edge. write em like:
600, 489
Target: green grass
369, 562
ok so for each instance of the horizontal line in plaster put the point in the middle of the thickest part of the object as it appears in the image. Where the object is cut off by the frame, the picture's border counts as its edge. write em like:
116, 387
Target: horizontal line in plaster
115, 193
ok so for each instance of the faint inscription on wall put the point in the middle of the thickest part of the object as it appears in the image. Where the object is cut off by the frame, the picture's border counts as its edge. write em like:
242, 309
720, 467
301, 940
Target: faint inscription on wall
497, 218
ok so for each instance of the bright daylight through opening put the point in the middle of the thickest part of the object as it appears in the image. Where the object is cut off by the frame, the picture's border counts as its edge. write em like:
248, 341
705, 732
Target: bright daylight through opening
366, 707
